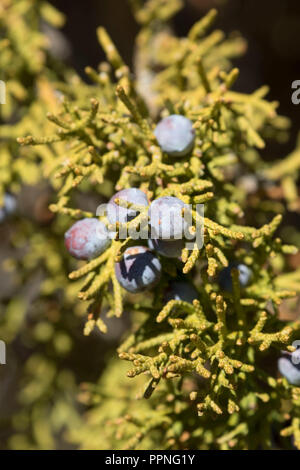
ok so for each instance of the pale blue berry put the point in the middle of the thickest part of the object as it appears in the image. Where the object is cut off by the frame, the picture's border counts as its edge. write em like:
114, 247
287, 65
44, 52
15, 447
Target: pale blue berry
289, 366
9, 206
116, 213
167, 248
168, 218
225, 279
180, 290
175, 135
138, 270
87, 238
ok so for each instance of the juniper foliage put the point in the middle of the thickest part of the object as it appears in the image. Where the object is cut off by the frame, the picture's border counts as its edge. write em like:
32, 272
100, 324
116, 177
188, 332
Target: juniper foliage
202, 375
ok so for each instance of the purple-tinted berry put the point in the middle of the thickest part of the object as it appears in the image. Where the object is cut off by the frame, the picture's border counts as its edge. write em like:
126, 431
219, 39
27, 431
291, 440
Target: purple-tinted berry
225, 279
289, 366
167, 219
87, 239
175, 135
9, 206
167, 248
138, 270
116, 213
180, 290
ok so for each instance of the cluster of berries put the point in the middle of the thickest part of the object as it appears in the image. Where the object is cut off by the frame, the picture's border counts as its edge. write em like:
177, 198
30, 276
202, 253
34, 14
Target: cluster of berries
140, 268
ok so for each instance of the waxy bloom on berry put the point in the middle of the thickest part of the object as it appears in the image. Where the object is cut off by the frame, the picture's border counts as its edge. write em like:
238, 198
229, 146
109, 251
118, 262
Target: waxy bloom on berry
87, 239
289, 366
138, 270
175, 135
169, 218
117, 213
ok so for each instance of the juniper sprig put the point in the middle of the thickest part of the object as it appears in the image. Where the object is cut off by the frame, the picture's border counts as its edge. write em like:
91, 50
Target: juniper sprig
215, 355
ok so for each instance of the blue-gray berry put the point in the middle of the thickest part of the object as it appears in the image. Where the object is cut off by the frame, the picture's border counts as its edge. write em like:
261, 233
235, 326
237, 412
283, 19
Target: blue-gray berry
138, 270
289, 366
180, 290
225, 280
9, 206
175, 135
87, 238
169, 218
167, 248
116, 213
